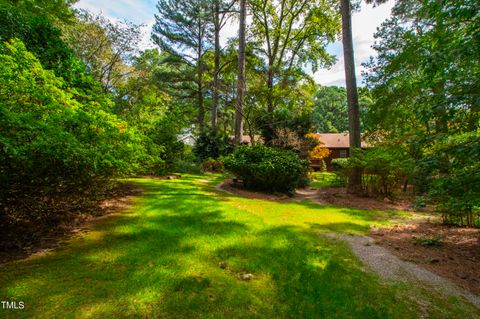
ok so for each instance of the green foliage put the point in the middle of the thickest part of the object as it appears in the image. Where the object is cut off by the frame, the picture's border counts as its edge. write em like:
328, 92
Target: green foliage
323, 179
291, 36
267, 168
212, 166
44, 39
330, 111
455, 183
285, 129
50, 143
425, 82
212, 144
384, 169
341, 170
52, 9
107, 48
339, 164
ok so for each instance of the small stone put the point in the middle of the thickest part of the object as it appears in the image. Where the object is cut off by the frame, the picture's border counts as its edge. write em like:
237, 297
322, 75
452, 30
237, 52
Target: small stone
387, 200
223, 265
246, 277
434, 261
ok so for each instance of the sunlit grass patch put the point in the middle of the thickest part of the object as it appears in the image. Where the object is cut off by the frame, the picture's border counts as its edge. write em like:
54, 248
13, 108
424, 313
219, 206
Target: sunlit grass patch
181, 251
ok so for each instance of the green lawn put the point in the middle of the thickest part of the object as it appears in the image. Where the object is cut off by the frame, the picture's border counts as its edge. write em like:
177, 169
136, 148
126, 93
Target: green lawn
162, 260
323, 179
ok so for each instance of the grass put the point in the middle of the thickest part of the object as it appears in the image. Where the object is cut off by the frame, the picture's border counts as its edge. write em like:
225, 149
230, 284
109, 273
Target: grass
180, 253
323, 179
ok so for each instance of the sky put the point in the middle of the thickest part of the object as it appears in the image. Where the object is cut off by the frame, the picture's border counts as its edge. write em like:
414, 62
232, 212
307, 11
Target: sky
365, 24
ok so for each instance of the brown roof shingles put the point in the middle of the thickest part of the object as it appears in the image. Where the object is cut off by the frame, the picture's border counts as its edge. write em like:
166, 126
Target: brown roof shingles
336, 140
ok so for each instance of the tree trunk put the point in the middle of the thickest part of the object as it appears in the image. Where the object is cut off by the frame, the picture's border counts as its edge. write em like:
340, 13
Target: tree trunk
216, 65
201, 110
355, 178
241, 74
270, 106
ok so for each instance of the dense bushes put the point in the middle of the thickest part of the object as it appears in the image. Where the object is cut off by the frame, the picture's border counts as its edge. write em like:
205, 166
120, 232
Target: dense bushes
384, 169
212, 144
267, 168
454, 182
212, 166
53, 147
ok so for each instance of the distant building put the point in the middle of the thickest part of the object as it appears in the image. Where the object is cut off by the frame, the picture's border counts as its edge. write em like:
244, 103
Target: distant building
246, 139
339, 146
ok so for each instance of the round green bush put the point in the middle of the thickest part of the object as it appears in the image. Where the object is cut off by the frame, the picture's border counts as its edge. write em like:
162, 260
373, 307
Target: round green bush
266, 168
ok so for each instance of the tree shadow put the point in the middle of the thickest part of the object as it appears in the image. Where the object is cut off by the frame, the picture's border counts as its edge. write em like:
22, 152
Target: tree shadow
134, 254
181, 256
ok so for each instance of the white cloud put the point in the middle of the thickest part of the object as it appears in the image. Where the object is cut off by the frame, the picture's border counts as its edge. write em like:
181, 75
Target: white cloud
136, 11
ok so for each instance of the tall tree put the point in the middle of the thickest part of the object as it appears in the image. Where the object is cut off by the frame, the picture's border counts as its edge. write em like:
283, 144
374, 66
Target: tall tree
241, 73
355, 179
221, 13
183, 29
105, 47
292, 34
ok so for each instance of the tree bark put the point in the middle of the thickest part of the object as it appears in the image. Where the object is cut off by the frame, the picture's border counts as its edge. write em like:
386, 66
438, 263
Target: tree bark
241, 74
201, 110
216, 65
355, 178
270, 106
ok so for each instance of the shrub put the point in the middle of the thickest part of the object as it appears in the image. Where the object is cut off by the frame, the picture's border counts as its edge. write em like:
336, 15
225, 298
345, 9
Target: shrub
212, 166
266, 168
323, 166
340, 169
188, 168
54, 149
212, 144
383, 168
455, 178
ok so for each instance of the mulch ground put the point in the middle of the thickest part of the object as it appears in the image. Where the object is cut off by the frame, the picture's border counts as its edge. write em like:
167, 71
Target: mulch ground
453, 253
48, 237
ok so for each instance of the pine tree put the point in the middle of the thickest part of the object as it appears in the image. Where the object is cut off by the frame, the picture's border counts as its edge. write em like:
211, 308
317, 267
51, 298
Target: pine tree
241, 74
183, 30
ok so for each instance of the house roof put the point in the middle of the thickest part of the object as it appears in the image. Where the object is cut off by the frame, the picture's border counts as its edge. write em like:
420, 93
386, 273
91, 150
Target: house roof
247, 139
336, 140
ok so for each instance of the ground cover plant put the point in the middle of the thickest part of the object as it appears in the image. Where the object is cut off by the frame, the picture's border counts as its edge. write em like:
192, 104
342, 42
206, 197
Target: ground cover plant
181, 250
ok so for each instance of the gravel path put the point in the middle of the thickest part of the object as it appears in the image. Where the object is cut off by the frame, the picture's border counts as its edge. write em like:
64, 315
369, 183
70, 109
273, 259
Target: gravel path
389, 266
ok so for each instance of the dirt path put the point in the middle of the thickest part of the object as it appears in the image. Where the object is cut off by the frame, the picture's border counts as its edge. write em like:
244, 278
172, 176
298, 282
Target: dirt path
389, 266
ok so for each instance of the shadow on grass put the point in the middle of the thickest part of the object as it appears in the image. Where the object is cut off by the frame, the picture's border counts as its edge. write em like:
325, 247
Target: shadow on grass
163, 261
364, 214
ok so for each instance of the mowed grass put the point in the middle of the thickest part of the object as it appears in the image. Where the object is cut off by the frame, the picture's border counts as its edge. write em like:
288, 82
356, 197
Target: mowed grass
323, 179
180, 253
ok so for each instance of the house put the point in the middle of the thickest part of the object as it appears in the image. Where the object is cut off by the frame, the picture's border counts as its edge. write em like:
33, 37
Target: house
246, 139
339, 146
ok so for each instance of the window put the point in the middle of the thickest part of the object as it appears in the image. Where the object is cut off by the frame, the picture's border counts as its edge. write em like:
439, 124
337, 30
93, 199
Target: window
343, 153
